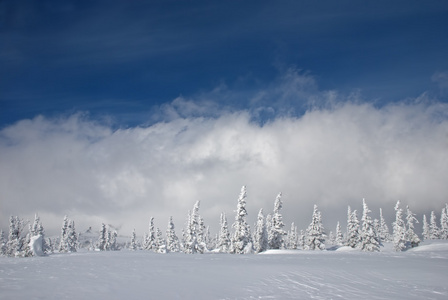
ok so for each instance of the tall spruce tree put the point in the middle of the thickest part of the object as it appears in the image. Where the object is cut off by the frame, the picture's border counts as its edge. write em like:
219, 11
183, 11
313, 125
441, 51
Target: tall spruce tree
63, 243
160, 242
241, 242
444, 223
411, 237
426, 235
276, 238
261, 236
293, 237
15, 243
353, 236
191, 244
224, 242
72, 237
383, 229
368, 241
102, 239
133, 245
315, 239
434, 232
339, 240
172, 242
399, 229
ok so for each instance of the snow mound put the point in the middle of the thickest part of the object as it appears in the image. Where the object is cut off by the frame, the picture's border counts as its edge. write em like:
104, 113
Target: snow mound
36, 245
438, 246
346, 249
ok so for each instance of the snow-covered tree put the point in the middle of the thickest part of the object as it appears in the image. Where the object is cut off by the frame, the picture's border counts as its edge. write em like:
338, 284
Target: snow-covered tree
277, 232
339, 238
353, 236
368, 241
411, 237
426, 235
133, 245
293, 237
269, 228
63, 243
224, 242
399, 229
15, 243
172, 242
191, 244
444, 223
434, 232
149, 242
202, 235
160, 242
315, 239
111, 242
331, 238
72, 237
261, 235
301, 240
241, 242
383, 232
2, 243
102, 239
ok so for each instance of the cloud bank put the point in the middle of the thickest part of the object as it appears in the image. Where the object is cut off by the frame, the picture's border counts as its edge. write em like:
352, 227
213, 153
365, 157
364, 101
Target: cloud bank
332, 156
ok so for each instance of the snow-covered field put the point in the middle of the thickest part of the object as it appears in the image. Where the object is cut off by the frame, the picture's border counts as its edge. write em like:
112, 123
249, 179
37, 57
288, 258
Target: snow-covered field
421, 273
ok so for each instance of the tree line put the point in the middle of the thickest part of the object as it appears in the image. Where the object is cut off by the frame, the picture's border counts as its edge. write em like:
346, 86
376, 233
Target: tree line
366, 234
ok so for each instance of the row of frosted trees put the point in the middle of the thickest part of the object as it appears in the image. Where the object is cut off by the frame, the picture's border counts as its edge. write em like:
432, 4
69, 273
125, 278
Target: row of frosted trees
366, 234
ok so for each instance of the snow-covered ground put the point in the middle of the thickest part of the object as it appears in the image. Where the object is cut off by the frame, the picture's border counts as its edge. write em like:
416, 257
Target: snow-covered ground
421, 273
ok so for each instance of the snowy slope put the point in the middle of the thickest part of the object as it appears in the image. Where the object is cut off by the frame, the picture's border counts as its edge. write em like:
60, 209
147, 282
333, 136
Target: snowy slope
416, 274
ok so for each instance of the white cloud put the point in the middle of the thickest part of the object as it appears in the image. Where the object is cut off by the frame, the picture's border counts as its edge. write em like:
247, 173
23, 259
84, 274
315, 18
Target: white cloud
333, 157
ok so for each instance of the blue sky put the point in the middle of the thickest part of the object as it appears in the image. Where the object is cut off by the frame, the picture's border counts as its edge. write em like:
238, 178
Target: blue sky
113, 111
125, 59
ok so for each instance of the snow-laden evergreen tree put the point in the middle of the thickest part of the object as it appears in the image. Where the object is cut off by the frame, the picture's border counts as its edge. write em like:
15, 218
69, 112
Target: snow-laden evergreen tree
111, 242
172, 242
269, 228
191, 244
434, 232
301, 241
276, 238
293, 237
444, 223
261, 235
149, 242
241, 242
15, 241
2, 243
72, 237
63, 243
339, 239
315, 239
399, 229
102, 239
160, 242
133, 245
383, 229
411, 237
202, 234
426, 235
368, 241
353, 236
224, 241
331, 238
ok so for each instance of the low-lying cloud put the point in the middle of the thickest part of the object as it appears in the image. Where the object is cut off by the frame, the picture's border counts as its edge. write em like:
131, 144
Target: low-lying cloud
332, 156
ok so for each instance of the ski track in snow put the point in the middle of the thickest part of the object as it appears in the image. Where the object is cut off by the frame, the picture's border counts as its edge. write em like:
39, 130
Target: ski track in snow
417, 274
